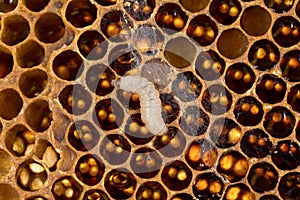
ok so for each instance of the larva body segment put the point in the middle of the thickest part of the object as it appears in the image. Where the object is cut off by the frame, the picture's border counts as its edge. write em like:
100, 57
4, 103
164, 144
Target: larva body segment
149, 100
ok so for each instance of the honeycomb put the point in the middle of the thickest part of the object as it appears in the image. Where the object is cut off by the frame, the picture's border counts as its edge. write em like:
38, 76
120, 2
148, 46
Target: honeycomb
228, 76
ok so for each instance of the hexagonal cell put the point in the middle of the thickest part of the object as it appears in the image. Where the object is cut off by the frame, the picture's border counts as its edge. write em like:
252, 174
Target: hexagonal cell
108, 114
89, 169
120, 183
256, 143
171, 144
238, 191
209, 65
106, 2
49, 28
201, 154
33, 82
279, 6
115, 149
288, 185
116, 26
290, 65
8, 5
147, 39
202, 30
66, 188
15, 29
187, 87
36, 5
81, 13
194, 6
171, 18
31, 175
83, 136
8, 192
136, 131
248, 111
20, 141
285, 31
262, 177
95, 194
279, 122
239, 78
293, 97
179, 52
99, 79
75, 99
38, 115
232, 43
145, 162
286, 155
124, 58
298, 9
194, 121
216, 99
10, 104
208, 186
233, 166
68, 65
176, 175
225, 12
256, 20
92, 45
139, 10
30, 54
7, 62
151, 190
6, 164
225, 133
270, 88
263, 55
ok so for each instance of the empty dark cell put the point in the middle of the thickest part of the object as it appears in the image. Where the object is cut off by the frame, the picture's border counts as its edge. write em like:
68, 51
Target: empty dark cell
8, 5
11, 104
30, 54
106, 2
49, 28
7, 63
36, 5
256, 143
269, 197
15, 29
293, 97
194, 6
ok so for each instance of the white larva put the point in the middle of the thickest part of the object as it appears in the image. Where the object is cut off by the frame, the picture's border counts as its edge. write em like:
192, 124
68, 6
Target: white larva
149, 101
